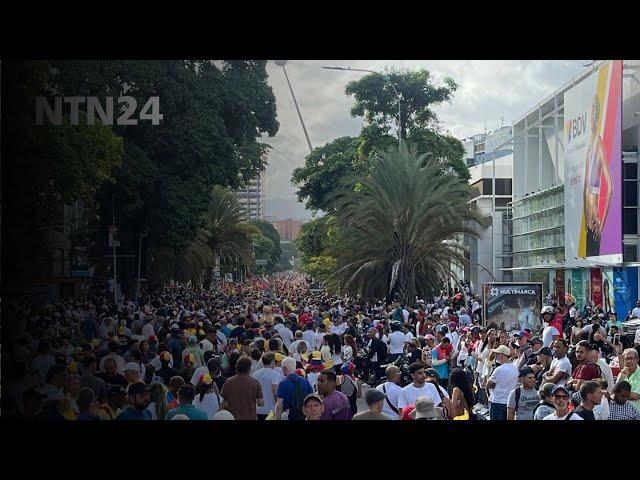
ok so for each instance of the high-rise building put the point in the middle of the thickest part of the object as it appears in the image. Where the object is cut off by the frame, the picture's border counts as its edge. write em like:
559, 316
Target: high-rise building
252, 197
288, 229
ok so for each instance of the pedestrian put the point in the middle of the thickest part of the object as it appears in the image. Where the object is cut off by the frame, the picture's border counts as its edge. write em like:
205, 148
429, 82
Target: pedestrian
561, 399
242, 393
426, 410
375, 401
186, 395
631, 374
392, 389
501, 382
158, 406
523, 399
313, 407
138, 401
545, 406
462, 396
336, 404
116, 399
419, 387
207, 398
269, 379
619, 406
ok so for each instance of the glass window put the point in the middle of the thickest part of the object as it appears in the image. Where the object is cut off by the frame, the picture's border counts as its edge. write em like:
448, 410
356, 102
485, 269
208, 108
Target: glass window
630, 253
630, 221
630, 194
630, 171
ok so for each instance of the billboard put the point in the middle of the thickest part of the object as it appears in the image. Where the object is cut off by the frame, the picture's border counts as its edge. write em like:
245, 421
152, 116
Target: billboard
513, 306
593, 168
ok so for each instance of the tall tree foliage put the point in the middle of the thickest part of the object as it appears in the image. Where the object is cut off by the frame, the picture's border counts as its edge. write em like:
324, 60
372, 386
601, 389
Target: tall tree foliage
396, 230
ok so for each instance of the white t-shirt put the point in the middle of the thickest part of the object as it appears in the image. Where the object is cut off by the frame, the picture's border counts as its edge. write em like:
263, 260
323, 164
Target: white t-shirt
317, 342
210, 404
393, 394
408, 337
405, 315
206, 345
636, 339
573, 312
396, 342
312, 378
347, 353
553, 416
287, 337
562, 365
409, 394
548, 334
635, 312
309, 336
267, 377
294, 346
506, 379
608, 375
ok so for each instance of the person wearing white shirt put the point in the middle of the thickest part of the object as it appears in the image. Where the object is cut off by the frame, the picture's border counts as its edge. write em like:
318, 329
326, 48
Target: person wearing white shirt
269, 379
405, 315
561, 398
573, 312
148, 330
309, 336
318, 340
294, 346
408, 336
396, 342
418, 388
636, 340
594, 356
501, 382
392, 389
560, 369
635, 313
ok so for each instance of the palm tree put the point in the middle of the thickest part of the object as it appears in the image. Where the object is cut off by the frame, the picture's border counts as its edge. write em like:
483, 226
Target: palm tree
222, 237
397, 227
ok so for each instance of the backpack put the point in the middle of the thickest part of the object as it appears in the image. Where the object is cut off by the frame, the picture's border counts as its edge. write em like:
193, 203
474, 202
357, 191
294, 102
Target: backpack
518, 393
295, 412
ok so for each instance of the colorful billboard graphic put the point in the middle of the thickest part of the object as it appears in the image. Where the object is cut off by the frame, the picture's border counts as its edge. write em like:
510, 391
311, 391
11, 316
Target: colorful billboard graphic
608, 293
625, 289
513, 306
593, 168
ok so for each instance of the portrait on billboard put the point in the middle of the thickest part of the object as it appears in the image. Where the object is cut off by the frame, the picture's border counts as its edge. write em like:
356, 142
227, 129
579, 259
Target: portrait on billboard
513, 306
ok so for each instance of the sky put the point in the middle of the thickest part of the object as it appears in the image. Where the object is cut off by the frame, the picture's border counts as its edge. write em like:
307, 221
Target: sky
488, 90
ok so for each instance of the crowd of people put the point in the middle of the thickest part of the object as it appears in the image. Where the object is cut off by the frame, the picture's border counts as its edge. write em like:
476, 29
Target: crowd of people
269, 349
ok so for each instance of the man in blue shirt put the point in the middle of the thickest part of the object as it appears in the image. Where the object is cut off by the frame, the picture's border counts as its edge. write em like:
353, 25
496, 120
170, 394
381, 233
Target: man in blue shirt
186, 394
138, 403
291, 391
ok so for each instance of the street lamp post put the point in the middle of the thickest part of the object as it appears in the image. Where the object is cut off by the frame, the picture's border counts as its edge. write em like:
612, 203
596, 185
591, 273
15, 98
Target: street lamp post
282, 63
385, 77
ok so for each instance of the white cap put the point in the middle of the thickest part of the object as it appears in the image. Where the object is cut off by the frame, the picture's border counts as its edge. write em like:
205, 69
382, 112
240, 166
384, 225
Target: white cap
134, 367
224, 415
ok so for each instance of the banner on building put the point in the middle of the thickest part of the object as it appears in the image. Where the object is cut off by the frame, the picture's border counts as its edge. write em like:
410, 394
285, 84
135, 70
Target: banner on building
625, 286
560, 291
578, 288
608, 292
593, 168
596, 287
513, 306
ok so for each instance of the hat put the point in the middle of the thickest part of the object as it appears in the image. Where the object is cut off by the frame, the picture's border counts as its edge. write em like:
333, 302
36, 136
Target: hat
193, 339
134, 367
312, 396
373, 396
535, 340
224, 415
545, 351
560, 387
348, 368
137, 388
279, 357
431, 372
114, 390
547, 309
425, 408
503, 349
546, 389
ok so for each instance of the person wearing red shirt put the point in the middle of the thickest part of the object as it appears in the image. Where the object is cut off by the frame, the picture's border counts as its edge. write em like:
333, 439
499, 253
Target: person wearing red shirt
585, 371
304, 318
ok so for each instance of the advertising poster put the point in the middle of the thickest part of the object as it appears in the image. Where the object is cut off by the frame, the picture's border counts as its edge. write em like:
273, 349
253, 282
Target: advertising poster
608, 293
513, 306
593, 168
596, 287
560, 286
578, 288
625, 286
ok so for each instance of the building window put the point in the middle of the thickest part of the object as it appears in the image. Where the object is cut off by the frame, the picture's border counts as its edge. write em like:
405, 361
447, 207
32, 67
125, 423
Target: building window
630, 193
630, 171
630, 253
630, 221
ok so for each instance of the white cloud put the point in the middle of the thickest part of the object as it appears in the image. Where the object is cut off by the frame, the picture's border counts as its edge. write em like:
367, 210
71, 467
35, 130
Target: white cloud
488, 89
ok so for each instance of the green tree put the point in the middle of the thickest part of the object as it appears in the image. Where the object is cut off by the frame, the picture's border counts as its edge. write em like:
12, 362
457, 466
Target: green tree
274, 253
325, 168
214, 115
397, 231
45, 166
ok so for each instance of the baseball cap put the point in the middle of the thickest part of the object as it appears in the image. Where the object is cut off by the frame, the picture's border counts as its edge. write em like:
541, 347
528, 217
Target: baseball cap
224, 415
503, 349
431, 372
313, 396
137, 388
193, 339
373, 396
547, 309
115, 390
560, 387
545, 351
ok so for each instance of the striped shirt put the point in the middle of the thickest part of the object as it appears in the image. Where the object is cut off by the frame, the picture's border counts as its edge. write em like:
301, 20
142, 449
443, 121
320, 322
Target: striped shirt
626, 411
